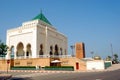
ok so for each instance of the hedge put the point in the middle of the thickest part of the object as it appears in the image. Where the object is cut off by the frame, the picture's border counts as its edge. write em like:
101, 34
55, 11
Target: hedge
23, 68
63, 68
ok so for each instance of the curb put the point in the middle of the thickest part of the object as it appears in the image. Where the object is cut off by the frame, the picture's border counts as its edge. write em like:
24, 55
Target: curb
45, 71
38, 71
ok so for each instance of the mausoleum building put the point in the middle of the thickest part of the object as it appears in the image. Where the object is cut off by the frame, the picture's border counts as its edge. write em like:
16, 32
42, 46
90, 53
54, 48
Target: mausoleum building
36, 38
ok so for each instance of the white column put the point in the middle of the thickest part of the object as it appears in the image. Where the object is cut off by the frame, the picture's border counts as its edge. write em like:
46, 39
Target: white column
34, 43
24, 52
15, 53
46, 40
7, 43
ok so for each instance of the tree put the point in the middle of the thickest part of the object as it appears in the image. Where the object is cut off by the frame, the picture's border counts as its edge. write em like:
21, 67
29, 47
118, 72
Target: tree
3, 49
109, 58
116, 56
97, 58
115, 60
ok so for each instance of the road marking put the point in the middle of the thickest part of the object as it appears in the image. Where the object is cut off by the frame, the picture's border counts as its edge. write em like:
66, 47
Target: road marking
98, 79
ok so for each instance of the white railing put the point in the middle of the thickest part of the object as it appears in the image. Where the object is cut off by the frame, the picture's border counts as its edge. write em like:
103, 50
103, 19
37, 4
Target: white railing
40, 56
54, 56
22, 57
1, 58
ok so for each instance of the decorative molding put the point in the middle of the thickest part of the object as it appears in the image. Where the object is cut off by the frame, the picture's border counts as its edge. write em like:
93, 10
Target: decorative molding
17, 63
29, 63
20, 34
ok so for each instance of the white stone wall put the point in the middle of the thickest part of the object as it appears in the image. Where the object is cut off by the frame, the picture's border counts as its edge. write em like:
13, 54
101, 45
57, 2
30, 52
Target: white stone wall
57, 38
49, 36
35, 33
95, 65
41, 38
25, 35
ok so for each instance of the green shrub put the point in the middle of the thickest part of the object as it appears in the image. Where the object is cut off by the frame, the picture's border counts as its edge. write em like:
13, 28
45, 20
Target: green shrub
64, 68
23, 68
58, 66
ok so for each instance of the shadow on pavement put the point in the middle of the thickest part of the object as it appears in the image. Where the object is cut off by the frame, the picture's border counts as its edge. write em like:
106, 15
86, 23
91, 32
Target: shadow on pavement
20, 78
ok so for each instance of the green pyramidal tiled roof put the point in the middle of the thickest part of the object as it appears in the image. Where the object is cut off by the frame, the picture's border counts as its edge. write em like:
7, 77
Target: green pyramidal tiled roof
42, 17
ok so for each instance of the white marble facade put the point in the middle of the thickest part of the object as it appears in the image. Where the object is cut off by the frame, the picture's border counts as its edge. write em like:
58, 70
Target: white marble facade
35, 38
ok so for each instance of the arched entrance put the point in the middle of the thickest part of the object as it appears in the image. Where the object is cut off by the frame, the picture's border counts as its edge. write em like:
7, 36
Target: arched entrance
41, 50
28, 52
51, 50
56, 50
20, 51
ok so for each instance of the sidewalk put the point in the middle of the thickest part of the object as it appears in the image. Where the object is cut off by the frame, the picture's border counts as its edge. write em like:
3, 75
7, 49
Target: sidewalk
113, 67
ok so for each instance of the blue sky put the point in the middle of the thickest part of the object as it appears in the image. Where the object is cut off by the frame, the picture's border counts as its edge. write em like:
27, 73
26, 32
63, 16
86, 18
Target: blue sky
94, 22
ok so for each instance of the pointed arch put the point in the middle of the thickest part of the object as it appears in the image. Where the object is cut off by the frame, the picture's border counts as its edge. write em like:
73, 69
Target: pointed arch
20, 51
51, 50
41, 50
28, 48
56, 50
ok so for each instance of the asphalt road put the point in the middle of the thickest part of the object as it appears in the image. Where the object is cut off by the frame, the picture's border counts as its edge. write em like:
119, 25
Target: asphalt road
113, 75
108, 75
